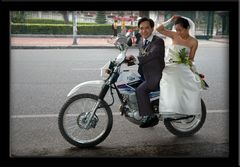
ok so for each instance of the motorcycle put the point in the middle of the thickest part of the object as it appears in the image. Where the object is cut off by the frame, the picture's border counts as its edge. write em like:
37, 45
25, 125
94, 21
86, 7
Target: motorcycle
86, 119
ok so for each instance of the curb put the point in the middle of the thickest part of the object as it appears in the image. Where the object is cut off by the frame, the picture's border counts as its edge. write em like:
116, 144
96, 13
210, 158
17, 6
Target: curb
219, 40
58, 36
63, 47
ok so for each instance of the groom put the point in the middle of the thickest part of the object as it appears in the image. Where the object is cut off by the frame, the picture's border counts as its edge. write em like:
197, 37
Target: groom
151, 63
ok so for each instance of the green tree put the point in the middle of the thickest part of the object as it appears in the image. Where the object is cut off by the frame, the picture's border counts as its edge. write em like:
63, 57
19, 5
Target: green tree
101, 17
18, 16
144, 13
120, 13
217, 22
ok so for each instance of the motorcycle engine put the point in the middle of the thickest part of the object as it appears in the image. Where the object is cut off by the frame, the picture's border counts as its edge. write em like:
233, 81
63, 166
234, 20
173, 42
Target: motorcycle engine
132, 113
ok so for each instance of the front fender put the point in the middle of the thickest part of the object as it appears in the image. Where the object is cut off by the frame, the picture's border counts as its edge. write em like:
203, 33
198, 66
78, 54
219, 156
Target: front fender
96, 83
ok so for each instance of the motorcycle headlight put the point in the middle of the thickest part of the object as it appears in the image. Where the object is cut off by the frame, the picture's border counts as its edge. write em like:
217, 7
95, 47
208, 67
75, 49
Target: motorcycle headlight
104, 70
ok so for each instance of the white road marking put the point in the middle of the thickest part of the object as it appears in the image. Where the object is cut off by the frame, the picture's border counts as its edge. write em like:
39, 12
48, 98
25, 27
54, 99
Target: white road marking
86, 69
97, 69
114, 113
217, 111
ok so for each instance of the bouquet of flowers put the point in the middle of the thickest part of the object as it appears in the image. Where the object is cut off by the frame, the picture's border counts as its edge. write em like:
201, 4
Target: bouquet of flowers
203, 82
181, 57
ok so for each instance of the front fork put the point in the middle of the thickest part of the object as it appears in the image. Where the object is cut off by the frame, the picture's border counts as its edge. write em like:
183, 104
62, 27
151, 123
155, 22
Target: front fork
101, 96
104, 91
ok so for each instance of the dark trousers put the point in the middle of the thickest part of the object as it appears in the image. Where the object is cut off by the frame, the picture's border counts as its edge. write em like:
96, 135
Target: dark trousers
142, 94
115, 32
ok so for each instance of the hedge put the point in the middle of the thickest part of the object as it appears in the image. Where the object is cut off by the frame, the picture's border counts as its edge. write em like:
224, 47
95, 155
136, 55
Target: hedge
66, 29
50, 21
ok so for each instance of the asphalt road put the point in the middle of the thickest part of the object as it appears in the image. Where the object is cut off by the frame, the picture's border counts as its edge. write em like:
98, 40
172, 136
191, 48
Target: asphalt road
41, 79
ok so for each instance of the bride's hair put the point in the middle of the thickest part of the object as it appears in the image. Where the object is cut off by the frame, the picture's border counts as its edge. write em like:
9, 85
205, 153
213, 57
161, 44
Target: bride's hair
183, 22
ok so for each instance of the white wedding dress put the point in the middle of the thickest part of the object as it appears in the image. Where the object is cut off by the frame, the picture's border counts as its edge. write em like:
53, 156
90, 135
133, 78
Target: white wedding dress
179, 87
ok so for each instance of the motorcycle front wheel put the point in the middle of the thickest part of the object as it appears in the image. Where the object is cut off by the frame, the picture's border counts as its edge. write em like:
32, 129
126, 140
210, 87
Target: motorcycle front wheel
187, 127
75, 124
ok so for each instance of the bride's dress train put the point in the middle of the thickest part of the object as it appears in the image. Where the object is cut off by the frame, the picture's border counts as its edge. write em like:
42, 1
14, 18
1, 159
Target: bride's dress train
179, 87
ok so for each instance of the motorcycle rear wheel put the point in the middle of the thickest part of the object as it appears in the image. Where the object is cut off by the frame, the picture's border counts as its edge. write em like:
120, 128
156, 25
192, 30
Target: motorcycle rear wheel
73, 117
187, 127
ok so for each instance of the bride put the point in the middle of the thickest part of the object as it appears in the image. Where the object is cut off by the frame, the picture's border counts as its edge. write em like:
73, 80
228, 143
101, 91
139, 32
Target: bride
180, 85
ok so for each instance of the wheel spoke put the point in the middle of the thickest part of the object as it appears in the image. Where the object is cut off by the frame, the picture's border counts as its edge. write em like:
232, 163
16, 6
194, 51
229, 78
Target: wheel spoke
75, 116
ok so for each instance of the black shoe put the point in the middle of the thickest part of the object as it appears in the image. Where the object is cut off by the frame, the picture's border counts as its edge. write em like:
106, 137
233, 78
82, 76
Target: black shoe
150, 121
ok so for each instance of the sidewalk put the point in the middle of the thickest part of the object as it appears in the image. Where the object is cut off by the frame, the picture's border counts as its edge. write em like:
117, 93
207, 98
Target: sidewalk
59, 42
66, 42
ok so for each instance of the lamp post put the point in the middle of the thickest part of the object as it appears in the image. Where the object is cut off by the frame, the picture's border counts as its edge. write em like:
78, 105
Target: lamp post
132, 17
210, 24
74, 18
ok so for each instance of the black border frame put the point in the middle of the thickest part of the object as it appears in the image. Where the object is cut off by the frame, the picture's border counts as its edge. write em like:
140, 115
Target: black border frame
232, 6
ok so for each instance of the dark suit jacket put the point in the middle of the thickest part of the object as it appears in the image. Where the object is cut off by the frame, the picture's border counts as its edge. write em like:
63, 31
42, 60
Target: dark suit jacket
152, 63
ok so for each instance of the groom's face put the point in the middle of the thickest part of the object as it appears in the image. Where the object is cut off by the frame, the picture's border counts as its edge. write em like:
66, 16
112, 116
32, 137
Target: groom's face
145, 29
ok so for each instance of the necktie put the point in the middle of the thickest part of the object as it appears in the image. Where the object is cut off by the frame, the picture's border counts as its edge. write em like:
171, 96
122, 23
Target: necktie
146, 43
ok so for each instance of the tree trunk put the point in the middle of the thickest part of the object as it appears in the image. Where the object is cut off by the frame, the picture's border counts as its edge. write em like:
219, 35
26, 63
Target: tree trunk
65, 16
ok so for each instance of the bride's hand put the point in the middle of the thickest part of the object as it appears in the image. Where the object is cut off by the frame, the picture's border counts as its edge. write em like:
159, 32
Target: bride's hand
175, 17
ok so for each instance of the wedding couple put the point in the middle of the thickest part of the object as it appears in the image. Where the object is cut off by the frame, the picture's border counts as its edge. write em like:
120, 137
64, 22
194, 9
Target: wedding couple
179, 86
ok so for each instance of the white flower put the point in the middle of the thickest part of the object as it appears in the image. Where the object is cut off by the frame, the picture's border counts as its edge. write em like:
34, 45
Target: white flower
174, 54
